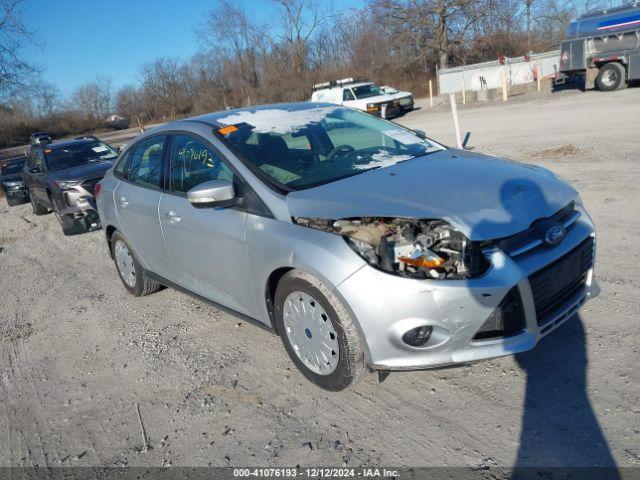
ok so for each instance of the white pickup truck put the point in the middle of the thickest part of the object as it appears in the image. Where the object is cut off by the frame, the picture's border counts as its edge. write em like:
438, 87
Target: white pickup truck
365, 96
405, 99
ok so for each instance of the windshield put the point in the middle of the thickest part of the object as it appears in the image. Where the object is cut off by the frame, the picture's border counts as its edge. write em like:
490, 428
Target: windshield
75, 155
305, 148
12, 168
366, 91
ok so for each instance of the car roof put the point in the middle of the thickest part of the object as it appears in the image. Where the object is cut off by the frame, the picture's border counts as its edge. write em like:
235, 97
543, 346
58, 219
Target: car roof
64, 144
213, 117
359, 84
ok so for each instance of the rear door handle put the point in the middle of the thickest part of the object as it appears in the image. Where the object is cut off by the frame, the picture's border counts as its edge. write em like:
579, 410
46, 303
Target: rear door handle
124, 202
172, 216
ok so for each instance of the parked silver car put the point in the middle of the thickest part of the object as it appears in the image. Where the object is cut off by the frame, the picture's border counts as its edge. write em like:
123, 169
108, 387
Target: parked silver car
363, 244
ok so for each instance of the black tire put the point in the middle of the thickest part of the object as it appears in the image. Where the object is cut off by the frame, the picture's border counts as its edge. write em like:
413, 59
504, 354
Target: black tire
71, 226
351, 365
37, 208
611, 76
143, 285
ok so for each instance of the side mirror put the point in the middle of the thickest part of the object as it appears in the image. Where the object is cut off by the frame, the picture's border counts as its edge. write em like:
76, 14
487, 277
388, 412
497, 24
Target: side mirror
421, 134
214, 193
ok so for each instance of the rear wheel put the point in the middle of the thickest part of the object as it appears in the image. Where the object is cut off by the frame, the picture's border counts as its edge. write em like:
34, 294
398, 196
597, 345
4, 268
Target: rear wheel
317, 331
610, 77
133, 276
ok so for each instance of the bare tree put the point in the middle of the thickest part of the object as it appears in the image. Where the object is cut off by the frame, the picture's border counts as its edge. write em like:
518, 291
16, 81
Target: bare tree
15, 71
46, 99
300, 19
94, 100
166, 82
234, 41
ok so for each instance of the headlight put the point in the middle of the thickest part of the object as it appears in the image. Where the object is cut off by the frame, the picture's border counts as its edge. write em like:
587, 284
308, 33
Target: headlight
409, 247
373, 107
13, 184
66, 184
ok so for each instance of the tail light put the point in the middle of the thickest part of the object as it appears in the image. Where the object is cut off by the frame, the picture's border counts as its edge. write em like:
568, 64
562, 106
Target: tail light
97, 189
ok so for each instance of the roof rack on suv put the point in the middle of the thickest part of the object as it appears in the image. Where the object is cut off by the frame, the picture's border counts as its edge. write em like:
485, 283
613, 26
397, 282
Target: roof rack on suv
87, 137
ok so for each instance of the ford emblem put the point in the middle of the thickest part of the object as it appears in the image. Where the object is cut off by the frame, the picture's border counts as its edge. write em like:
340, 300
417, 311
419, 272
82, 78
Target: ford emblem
554, 235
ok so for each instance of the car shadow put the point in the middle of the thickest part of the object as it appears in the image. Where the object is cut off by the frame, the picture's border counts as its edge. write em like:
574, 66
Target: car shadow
559, 427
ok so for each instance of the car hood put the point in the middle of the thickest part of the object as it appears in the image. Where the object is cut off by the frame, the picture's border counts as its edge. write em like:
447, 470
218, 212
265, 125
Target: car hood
378, 98
82, 172
484, 197
399, 95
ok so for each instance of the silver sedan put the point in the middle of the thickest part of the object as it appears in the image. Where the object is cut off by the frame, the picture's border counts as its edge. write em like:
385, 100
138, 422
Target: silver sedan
364, 245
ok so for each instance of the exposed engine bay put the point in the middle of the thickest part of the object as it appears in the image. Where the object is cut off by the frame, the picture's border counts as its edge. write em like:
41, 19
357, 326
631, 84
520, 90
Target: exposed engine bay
408, 247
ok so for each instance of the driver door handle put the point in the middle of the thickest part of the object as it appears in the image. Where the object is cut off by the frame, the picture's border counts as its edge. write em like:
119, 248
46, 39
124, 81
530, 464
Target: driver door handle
124, 202
172, 216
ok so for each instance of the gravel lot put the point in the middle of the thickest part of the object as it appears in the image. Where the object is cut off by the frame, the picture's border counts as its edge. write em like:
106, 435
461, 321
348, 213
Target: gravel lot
83, 365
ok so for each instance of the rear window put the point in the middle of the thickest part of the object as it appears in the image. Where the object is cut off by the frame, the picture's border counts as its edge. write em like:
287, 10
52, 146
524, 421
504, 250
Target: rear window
75, 155
12, 168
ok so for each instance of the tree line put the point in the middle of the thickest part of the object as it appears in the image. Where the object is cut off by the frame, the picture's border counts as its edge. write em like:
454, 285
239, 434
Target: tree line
244, 62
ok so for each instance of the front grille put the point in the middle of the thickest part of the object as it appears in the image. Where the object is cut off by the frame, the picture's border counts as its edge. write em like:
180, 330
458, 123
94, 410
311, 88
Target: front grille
506, 320
528, 239
560, 281
90, 185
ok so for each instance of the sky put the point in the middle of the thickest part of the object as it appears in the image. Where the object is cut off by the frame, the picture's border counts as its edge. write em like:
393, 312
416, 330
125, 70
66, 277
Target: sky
80, 40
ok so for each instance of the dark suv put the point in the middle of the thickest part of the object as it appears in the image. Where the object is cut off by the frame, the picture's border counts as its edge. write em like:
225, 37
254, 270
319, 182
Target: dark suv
38, 138
62, 177
11, 183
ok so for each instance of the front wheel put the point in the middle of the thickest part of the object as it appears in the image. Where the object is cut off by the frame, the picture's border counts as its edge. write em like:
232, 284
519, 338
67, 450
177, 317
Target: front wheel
610, 77
317, 331
133, 276
36, 207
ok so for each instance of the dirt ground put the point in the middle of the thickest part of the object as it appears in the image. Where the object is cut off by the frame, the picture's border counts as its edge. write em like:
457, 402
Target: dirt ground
84, 367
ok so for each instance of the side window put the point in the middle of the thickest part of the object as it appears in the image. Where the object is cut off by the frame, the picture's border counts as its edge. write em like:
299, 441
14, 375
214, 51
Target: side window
347, 95
121, 169
146, 162
193, 162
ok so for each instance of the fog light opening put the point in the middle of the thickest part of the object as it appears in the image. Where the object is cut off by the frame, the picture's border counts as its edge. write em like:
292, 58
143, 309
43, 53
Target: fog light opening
418, 337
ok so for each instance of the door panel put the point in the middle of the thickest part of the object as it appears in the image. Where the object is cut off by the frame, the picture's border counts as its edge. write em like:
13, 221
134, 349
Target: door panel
137, 214
35, 181
207, 245
136, 202
208, 249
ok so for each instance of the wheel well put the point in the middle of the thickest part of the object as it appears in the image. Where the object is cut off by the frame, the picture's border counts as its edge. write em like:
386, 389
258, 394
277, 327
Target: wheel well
270, 291
607, 62
109, 231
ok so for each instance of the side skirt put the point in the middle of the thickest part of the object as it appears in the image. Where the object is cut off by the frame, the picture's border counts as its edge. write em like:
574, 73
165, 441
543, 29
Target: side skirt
242, 316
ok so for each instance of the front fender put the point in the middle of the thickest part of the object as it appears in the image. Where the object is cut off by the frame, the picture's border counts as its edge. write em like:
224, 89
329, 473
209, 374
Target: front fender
274, 244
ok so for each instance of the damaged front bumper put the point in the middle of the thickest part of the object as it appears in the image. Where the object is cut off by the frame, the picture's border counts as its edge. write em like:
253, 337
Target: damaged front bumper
458, 312
79, 213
